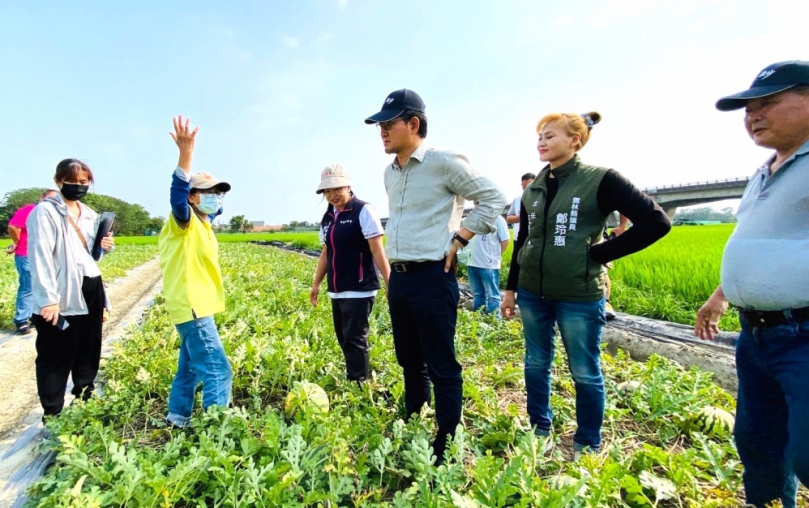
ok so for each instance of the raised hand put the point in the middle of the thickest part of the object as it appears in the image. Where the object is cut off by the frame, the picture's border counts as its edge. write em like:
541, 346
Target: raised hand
184, 137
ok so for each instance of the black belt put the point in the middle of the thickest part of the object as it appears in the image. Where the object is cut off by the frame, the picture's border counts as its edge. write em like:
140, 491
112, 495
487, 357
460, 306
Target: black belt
767, 318
412, 266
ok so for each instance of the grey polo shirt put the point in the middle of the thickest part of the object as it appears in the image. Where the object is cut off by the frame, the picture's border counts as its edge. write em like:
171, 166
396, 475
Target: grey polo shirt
426, 200
766, 261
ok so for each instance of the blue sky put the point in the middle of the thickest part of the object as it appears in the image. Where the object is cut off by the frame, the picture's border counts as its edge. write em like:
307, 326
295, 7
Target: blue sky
280, 89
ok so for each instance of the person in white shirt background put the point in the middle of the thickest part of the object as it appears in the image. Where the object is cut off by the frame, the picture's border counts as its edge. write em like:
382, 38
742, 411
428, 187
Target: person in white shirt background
513, 216
483, 257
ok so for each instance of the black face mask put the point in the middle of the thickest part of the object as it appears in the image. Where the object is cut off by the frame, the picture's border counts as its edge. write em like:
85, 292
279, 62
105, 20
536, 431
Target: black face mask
74, 191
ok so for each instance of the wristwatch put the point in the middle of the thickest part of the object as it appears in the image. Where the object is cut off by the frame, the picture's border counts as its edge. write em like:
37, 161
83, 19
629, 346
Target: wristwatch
463, 241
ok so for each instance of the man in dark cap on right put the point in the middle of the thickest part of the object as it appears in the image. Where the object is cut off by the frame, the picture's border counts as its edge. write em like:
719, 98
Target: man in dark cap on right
765, 275
426, 193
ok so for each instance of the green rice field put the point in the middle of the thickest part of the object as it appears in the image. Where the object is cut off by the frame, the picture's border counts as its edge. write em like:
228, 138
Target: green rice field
673, 278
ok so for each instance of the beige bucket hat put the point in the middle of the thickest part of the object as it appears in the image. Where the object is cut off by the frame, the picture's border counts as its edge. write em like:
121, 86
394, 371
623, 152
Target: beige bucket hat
333, 177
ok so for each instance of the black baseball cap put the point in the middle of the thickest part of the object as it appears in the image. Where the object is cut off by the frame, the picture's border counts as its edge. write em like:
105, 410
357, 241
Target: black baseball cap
773, 79
397, 103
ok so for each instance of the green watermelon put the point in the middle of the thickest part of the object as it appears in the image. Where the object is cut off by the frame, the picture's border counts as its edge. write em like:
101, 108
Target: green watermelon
306, 397
713, 421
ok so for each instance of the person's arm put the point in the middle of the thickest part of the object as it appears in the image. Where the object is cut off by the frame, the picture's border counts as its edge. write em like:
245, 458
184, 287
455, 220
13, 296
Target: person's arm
320, 272
502, 234
464, 181
14, 233
513, 216
41, 243
381, 262
649, 222
16, 226
178, 196
372, 230
184, 137
623, 223
509, 304
707, 324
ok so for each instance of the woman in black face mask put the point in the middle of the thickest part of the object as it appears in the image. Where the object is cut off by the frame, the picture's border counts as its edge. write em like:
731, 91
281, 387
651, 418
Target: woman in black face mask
69, 298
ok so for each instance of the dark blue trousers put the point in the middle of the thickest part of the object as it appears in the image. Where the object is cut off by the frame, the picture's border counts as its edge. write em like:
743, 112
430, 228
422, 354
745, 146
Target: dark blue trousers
772, 414
423, 311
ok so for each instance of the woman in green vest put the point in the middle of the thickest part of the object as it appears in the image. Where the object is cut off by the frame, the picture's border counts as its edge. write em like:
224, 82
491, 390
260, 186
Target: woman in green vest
557, 270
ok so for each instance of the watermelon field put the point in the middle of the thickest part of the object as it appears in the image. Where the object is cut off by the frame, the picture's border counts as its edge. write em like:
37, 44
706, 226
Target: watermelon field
116, 450
667, 438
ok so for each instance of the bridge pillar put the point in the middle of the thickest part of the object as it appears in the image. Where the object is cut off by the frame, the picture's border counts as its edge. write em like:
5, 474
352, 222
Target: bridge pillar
670, 211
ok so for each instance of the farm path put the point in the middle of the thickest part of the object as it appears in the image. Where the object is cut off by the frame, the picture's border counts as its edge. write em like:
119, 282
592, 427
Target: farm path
20, 412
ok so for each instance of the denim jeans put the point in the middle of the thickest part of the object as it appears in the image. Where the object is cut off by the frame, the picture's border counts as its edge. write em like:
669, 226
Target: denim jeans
580, 325
423, 313
772, 413
485, 285
25, 298
202, 358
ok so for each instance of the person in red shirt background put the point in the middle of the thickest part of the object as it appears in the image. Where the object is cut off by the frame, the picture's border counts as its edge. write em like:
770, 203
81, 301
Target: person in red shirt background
19, 247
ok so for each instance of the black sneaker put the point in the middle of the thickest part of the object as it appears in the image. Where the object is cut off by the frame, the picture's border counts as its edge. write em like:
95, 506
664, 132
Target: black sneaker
609, 312
24, 329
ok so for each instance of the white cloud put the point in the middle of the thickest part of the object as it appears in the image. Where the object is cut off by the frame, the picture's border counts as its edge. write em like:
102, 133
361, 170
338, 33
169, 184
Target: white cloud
290, 42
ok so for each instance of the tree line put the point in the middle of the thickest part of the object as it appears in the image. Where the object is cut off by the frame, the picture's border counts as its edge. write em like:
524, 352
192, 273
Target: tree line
705, 214
130, 219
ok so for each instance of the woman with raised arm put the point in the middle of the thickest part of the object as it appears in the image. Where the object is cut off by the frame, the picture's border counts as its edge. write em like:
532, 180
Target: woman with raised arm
192, 283
352, 259
557, 270
68, 293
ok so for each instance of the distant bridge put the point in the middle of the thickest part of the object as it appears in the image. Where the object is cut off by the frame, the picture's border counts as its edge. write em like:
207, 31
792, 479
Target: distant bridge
670, 197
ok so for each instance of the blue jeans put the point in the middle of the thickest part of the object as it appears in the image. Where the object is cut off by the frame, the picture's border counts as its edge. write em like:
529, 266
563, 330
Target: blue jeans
485, 285
202, 358
772, 413
25, 295
580, 324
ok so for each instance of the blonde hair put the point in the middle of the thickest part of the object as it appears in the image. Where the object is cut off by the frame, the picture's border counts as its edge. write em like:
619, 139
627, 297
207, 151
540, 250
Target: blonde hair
573, 124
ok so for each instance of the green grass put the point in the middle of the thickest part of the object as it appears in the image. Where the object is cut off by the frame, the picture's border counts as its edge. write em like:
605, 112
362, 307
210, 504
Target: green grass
116, 450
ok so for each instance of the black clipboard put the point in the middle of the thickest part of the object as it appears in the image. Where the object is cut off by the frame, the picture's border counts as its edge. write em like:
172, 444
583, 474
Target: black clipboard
104, 227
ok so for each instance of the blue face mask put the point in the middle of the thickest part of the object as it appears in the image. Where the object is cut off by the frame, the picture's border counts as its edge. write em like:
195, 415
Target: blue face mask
209, 204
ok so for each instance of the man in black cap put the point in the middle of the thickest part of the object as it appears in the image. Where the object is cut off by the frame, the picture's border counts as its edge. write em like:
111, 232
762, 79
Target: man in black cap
426, 193
765, 275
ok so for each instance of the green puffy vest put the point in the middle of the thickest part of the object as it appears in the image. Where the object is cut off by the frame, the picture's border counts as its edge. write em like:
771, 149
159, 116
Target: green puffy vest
555, 259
